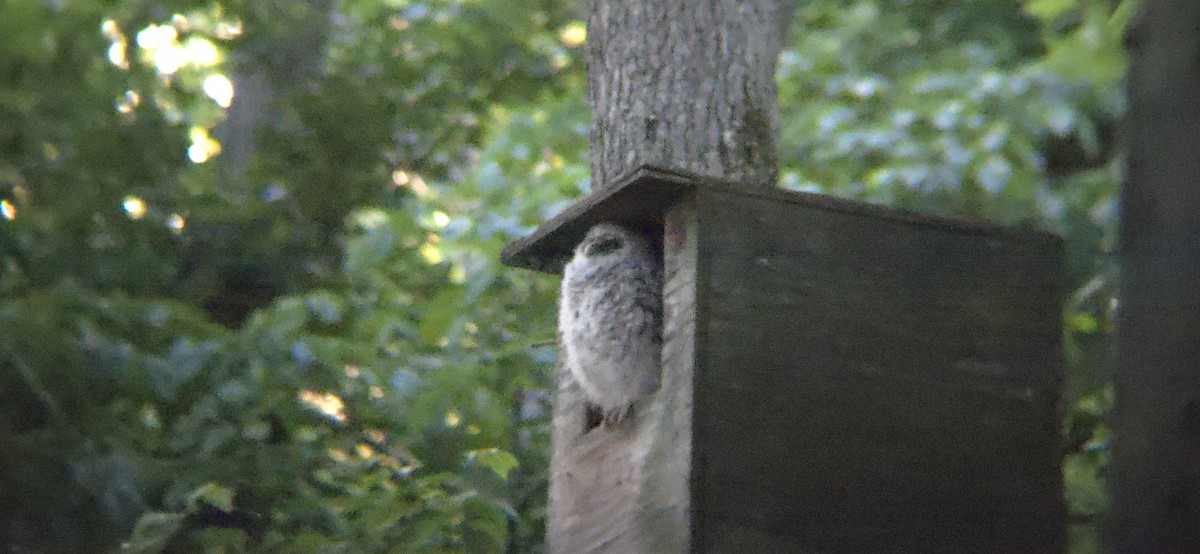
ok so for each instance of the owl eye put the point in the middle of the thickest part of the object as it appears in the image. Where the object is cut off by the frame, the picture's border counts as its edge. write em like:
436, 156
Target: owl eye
603, 246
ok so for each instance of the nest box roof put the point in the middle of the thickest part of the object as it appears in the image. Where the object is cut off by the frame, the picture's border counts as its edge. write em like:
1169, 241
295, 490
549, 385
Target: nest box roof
641, 198
638, 201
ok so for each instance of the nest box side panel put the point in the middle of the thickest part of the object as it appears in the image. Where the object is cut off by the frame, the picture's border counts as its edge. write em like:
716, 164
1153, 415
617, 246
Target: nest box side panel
625, 488
869, 383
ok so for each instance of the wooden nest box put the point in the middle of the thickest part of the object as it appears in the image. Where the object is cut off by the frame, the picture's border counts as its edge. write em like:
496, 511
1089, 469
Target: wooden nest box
837, 377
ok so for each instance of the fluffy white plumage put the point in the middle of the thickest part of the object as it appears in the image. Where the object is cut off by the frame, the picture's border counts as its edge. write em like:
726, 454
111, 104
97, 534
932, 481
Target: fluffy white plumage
610, 317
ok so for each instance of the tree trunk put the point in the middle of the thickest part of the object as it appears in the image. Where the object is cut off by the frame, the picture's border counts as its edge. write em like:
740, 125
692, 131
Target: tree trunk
686, 85
1155, 477
269, 66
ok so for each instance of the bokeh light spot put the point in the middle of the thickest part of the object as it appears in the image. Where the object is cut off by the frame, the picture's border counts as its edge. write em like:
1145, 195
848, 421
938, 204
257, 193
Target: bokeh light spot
203, 146
134, 206
574, 34
220, 89
176, 223
330, 405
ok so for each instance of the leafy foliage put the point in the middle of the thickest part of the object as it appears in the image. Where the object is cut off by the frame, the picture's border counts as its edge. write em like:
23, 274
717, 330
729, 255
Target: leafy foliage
249, 297
201, 355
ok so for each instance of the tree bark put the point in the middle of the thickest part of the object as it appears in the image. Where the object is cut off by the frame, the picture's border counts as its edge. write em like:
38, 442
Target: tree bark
1155, 477
687, 85
269, 66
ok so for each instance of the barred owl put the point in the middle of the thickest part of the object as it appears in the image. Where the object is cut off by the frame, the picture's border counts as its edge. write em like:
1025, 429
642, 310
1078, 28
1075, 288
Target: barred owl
610, 319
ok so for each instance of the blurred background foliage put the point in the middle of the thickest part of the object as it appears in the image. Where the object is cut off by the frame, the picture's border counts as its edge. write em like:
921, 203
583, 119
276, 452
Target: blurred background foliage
249, 296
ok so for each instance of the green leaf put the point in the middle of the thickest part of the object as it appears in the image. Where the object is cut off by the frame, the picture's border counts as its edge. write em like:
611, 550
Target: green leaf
479, 280
1084, 483
181, 364
497, 460
325, 307
369, 249
212, 494
440, 313
152, 532
1082, 323
1048, 10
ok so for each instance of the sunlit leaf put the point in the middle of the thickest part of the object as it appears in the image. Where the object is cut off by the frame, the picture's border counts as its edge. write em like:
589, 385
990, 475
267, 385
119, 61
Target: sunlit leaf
499, 461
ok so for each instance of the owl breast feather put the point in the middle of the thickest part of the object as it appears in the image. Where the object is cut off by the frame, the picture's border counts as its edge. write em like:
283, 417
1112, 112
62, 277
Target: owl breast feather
612, 318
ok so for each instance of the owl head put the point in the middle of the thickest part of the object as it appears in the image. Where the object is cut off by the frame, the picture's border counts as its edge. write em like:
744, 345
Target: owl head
609, 241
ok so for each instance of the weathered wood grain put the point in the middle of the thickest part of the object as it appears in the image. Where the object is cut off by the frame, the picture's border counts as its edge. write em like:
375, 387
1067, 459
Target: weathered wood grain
873, 384
626, 488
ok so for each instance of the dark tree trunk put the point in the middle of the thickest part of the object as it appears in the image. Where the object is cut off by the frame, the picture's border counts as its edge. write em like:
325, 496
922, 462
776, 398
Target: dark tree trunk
266, 68
685, 85
1155, 477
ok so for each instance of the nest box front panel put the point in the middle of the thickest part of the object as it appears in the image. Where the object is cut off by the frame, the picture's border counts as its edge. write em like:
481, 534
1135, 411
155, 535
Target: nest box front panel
869, 381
